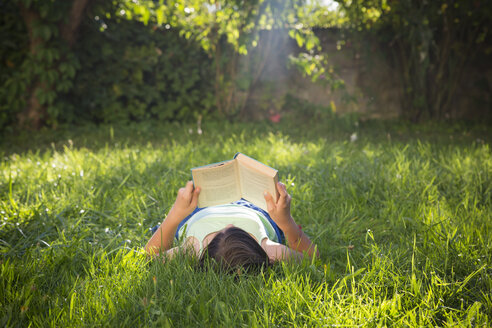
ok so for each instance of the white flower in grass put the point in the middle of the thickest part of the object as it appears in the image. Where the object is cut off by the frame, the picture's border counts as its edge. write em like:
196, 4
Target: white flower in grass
398, 176
199, 125
353, 137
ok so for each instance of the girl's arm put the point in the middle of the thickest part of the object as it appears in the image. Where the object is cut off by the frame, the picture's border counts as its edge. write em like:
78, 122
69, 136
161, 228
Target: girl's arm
279, 252
191, 244
280, 213
162, 239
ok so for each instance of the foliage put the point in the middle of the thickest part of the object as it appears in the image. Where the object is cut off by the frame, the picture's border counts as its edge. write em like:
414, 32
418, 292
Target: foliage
140, 73
239, 24
130, 71
183, 59
403, 226
12, 40
301, 111
44, 66
37, 60
318, 68
132, 60
432, 44
230, 32
321, 14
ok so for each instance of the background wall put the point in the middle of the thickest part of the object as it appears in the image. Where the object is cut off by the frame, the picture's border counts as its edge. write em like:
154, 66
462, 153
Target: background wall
372, 85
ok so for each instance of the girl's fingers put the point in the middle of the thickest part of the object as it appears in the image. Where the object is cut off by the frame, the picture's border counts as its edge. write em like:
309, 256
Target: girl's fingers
194, 200
189, 187
269, 201
281, 189
188, 191
284, 195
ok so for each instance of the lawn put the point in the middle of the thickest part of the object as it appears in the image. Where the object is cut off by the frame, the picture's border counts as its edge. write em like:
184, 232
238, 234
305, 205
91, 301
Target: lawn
401, 215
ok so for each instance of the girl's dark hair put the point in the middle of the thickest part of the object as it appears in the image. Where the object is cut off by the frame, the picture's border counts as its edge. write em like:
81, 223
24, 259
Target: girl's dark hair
233, 249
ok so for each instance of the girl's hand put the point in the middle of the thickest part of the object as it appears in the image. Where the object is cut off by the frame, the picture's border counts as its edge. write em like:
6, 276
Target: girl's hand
297, 240
186, 201
280, 210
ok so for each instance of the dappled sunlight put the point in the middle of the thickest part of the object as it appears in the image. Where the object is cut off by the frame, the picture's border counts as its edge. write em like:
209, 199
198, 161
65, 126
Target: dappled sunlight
375, 114
280, 150
114, 284
382, 213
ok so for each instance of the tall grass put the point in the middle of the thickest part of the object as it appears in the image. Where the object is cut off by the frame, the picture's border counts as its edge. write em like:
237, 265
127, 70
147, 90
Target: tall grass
401, 216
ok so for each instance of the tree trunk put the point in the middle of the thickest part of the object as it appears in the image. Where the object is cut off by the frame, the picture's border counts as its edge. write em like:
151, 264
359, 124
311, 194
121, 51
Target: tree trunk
34, 115
69, 30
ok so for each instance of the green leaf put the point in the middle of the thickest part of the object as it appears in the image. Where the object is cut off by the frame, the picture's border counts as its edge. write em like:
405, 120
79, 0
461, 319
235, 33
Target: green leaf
12, 92
55, 54
50, 96
52, 76
48, 56
160, 15
44, 10
40, 95
309, 44
63, 67
70, 71
243, 50
299, 39
27, 3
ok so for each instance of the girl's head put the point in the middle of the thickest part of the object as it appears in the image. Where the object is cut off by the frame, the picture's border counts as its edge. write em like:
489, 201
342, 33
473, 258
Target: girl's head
233, 248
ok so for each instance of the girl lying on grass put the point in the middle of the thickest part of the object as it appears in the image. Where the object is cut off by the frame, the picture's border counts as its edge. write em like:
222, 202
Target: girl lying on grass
235, 235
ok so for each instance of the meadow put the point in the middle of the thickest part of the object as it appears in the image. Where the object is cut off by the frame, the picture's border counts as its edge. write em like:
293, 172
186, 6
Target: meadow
401, 215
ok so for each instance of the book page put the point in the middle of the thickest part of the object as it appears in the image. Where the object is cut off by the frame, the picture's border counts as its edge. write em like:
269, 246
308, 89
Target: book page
254, 183
218, 183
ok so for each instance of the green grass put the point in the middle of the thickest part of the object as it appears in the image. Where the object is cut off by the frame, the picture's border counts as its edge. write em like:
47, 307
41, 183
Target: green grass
401, 216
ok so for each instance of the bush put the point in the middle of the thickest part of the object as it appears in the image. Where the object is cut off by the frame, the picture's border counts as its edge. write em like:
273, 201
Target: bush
13, 49
130, 71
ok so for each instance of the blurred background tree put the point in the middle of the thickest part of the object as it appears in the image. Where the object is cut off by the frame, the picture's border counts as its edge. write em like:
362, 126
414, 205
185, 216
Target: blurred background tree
69, 62
135, 59
37, 37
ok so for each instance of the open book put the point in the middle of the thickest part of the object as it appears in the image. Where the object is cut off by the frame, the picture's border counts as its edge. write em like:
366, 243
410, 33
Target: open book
228, 181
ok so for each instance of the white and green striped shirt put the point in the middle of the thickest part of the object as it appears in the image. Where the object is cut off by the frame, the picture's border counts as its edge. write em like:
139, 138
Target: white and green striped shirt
215, 218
